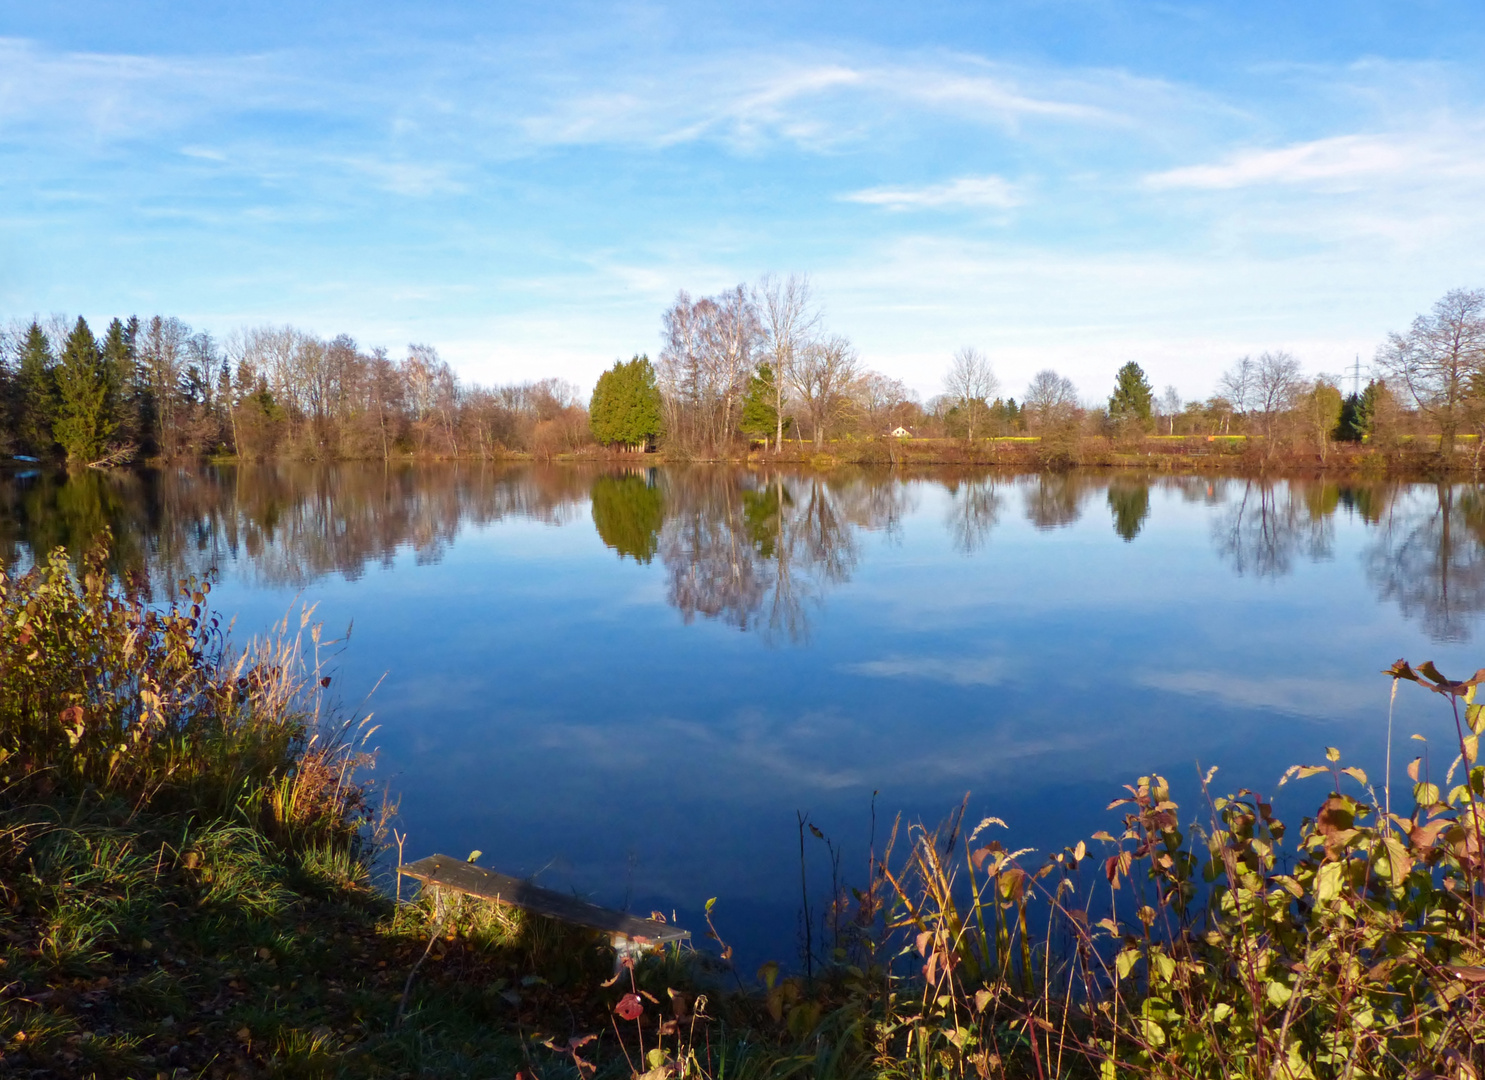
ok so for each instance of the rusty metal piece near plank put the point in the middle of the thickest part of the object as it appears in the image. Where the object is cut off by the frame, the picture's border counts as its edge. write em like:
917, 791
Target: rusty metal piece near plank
628, 933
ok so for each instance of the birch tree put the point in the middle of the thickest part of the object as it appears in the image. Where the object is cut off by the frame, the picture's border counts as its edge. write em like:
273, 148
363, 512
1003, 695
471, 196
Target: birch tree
790, 321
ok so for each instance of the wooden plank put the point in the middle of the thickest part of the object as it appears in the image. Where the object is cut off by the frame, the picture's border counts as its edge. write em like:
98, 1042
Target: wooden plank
447, 873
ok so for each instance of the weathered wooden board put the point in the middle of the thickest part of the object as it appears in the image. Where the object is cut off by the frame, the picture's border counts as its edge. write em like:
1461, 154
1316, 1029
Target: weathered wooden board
447, 873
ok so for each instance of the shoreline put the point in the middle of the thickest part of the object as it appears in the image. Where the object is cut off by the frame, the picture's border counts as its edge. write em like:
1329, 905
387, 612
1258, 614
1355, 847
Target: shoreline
1219, 455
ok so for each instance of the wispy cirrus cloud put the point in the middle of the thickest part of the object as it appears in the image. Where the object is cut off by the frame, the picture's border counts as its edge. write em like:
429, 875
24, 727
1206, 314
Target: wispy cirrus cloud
1341, 161
818, 100
966, 192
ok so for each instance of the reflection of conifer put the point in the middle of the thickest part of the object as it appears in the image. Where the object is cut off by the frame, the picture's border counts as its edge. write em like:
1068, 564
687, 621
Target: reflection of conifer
1131, 506
628, 513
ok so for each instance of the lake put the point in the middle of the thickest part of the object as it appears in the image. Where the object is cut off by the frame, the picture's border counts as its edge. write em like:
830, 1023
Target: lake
628, 683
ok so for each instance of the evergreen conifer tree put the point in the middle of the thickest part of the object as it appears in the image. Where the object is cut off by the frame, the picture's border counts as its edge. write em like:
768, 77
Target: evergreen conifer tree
1133, 398
625, 408
35, 394
83, 423
120, 373
760, 412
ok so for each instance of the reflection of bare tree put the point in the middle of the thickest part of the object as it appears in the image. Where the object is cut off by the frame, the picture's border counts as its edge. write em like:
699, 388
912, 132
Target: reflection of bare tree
284, 525
1266, 526
710, 561
974, 510
758, 552
1429, 557
1054, 500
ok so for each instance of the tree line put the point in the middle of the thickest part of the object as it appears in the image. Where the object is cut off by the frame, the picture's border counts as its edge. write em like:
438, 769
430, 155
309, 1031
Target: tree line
758, 364
751, 365
158, 388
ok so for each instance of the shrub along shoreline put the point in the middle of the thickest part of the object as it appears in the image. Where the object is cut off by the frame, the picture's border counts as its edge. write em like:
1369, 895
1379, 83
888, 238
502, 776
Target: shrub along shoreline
188, 844
1227, 454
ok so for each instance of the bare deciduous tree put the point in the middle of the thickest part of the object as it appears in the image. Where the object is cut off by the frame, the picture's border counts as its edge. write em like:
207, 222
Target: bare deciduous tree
1263, 390
1441, 359
1051, 400
824, 376
711, 348
790, 320
971, 383
1170, 407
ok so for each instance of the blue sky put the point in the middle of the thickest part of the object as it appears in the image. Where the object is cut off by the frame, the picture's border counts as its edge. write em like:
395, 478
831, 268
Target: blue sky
1065, 183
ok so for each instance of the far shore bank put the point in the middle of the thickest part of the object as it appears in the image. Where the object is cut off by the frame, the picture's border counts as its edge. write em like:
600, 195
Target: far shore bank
1233, 455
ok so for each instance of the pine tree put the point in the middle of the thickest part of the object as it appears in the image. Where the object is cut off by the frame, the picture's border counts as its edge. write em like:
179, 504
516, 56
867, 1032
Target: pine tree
625, 408
35, 394
760, 412
83, 423
1133, 398
119, 370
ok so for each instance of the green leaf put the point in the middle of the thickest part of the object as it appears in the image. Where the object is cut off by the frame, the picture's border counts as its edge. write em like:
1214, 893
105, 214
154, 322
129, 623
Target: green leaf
1278, 994
710, 904
1221, 1012
1328, 881
1332, 754
1165, 965
473, 855
1476, 716
1125, 961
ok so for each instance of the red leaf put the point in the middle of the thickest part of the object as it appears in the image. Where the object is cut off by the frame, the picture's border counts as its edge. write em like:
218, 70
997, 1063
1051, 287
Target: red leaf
630, 1007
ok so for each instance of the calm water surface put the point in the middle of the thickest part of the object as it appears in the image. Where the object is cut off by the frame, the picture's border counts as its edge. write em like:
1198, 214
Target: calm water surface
628, 683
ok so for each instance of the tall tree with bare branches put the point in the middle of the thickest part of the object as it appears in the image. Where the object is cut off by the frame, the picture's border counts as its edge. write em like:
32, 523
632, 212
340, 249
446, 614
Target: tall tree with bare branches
824, 376
971, 383
1441, 359
790, 321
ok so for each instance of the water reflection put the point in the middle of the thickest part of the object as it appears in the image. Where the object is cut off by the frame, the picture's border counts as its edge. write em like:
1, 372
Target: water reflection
628, 512
1426, 556
759, 551
1130, 502
974, 510
1266, 525
1055, 500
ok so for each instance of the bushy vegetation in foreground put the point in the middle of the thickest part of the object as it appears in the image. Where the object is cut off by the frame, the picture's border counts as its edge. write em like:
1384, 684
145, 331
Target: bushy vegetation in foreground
185, 864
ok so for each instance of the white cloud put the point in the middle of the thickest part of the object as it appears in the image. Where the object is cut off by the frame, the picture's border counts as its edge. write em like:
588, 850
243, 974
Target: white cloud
1342, 161
817, 100
967, 191
963, 671
1319, 698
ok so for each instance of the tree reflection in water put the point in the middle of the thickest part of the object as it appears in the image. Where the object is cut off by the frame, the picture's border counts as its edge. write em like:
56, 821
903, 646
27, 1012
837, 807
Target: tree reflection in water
1054, 500
1130, 502
1267, 525
974, 511
1427, 555
757, 551
628, 511
754, 550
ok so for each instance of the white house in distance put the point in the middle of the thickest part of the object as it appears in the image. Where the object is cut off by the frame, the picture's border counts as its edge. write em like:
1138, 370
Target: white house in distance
900, 432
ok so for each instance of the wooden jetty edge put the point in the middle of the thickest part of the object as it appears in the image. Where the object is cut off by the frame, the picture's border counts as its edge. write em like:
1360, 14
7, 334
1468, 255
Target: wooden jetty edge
628, 933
